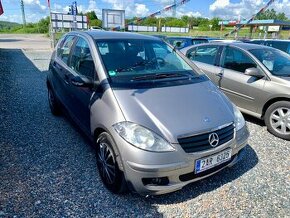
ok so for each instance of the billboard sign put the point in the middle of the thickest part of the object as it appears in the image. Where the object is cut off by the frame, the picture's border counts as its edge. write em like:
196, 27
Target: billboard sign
273, 28
113, 19
142, 28
61, 21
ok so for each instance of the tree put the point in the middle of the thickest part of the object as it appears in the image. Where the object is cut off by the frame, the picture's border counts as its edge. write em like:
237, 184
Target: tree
96, 23
204, 24
93, 19
215, 23
175, 22
91, 15
43, 25
271, 15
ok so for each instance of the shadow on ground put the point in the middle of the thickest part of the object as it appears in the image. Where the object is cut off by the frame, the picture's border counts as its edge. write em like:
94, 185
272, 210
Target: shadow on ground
10, 40
254, 120
223, 177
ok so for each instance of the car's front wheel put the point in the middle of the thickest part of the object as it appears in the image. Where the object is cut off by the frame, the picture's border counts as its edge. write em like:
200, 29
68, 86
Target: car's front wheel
112, 177
53, 103
277, 119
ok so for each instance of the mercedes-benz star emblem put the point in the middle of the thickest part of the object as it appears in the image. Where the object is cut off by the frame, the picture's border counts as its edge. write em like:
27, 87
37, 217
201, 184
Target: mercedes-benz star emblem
213, 139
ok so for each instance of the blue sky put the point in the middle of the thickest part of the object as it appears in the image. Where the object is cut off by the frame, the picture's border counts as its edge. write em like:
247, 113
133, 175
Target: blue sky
227, 9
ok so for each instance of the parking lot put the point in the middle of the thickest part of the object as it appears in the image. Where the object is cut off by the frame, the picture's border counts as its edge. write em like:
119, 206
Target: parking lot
48, 168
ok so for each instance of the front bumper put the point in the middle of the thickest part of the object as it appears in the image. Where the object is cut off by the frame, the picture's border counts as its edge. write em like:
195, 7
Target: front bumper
177, 167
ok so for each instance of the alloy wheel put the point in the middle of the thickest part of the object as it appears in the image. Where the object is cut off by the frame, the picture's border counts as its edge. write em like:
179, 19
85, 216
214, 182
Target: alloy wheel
280, 120
106, 163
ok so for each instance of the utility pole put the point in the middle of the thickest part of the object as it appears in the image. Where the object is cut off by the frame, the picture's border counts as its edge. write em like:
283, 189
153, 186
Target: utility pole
174, 9
23, 13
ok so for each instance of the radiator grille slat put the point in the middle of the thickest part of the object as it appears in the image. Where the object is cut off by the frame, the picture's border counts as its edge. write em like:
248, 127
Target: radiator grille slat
201, 142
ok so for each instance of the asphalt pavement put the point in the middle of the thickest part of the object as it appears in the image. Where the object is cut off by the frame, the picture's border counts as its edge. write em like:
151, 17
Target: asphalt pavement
48, 168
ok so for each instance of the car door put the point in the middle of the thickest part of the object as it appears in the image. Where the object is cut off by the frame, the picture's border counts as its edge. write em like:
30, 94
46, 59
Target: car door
245, 91
207, 58
59, 68
81, 64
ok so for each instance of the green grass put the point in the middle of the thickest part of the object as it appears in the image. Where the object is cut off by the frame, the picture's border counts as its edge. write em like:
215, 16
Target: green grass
195, 32
242, 33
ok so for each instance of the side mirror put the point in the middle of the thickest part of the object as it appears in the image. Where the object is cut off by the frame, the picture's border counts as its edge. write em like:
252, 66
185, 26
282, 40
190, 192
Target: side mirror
83, 82
177, 45
255, 72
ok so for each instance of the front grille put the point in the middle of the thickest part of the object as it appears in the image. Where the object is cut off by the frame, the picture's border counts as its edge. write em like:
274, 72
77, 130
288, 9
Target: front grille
201, 143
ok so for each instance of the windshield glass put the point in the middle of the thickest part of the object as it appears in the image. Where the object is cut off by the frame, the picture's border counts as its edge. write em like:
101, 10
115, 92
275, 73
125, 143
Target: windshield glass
135, 61
277, 62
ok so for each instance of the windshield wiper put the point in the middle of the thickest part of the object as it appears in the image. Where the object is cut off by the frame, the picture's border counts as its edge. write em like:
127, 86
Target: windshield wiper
141, 63
160, 76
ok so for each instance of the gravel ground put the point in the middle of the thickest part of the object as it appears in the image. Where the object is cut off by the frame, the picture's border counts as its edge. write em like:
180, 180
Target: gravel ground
47, 168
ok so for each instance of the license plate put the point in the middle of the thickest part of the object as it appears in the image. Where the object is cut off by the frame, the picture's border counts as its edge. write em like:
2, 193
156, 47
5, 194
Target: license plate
212, 161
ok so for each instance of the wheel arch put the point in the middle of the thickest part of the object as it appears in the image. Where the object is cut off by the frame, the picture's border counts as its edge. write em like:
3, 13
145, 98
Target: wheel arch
272, 101
97, 132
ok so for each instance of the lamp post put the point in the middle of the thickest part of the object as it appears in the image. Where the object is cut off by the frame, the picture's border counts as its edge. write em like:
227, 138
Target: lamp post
23, 13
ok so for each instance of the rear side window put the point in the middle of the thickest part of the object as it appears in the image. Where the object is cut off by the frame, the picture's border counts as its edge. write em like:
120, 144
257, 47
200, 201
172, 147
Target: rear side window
283, 46
65, 47
258, 42
204, 54
237, 60
198, 41
81, 59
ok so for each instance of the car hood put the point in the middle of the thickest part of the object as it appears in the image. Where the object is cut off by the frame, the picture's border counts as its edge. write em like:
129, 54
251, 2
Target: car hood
176, 111
281, 79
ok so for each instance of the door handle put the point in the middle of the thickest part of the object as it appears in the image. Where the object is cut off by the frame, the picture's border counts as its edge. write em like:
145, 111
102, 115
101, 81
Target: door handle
221, 74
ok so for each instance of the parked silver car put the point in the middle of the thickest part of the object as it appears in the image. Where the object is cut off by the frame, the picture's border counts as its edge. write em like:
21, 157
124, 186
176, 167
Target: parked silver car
255, 77
156, 121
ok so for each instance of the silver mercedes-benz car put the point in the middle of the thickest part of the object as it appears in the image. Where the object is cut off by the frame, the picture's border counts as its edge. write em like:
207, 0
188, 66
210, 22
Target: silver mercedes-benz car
157, 122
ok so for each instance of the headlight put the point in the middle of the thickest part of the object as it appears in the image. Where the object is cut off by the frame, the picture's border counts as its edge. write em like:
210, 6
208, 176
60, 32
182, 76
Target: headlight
142, 137
239, 119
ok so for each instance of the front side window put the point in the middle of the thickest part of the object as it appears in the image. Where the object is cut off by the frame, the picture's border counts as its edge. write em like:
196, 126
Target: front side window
135, 61
237, 60
64, 51
204, 54
81, 59
277, 62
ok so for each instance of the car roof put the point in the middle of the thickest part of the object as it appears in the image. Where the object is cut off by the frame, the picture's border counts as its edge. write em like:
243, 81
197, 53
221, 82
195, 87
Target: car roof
242, 45
275, 40
116, 35
179, 37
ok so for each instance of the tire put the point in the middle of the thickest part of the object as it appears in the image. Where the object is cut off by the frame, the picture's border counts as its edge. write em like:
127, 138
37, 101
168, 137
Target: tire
53, 103
277, 119
112, 177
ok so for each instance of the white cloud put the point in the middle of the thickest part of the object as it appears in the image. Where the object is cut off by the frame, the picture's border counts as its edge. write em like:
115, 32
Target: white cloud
141, 10
181, 11
130, 8
57, 7
246, 8
35, 4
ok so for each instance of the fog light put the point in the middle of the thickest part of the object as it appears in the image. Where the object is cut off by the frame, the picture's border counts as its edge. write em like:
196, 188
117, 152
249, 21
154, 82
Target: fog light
155, 181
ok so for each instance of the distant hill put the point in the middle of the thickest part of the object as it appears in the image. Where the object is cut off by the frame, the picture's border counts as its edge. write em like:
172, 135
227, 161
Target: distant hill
5, 25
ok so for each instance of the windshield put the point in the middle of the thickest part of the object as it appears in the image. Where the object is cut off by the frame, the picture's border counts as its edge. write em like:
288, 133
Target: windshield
135, 61
277, 62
